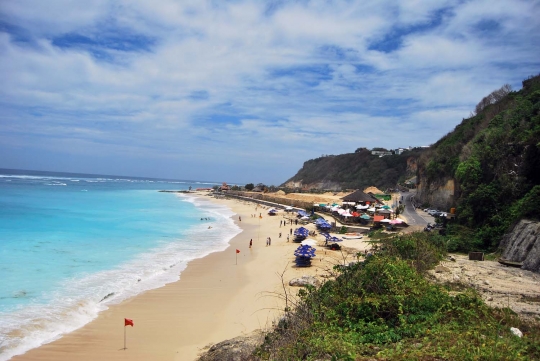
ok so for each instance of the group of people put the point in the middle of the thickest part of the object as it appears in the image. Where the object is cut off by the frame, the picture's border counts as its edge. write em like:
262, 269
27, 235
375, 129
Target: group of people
284, 222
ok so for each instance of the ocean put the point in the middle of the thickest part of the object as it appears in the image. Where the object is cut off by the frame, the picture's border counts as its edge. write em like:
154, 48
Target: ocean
72, 244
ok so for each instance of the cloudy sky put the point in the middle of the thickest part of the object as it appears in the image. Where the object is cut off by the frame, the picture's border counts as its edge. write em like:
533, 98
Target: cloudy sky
245, 91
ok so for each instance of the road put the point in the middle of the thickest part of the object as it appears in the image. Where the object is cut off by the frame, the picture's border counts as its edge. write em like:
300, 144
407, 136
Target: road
413, 217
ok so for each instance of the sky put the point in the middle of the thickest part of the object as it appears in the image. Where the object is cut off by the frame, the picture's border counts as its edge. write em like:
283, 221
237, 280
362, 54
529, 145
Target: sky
245, 91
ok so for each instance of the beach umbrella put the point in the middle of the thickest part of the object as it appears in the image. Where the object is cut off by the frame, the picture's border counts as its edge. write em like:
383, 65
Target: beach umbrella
309, 242
365, 216
385, 207
335, 239
305, 218
386, 220
396, 221
371, 209
356, 214
322, 205
362, 207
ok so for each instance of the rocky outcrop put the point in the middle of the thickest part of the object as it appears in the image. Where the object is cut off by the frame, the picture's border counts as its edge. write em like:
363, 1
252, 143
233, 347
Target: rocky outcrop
304, 281
440, 196
236, 349
522, 245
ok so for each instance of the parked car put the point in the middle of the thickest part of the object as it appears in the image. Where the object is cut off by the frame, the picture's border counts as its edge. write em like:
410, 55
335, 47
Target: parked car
438, 214
431, 212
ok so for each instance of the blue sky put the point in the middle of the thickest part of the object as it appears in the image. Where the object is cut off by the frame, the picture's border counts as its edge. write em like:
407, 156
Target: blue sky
245, 91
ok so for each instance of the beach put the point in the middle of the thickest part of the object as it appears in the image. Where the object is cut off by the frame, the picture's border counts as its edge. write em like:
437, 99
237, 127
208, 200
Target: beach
218, 297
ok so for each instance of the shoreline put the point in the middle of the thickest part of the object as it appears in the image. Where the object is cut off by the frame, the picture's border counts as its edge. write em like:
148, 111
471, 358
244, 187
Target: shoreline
214, 300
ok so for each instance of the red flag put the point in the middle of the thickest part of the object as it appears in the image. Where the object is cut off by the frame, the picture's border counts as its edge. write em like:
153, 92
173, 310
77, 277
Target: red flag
128, 322
237, 251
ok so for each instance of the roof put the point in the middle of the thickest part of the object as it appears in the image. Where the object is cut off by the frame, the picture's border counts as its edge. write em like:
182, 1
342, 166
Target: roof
359, 196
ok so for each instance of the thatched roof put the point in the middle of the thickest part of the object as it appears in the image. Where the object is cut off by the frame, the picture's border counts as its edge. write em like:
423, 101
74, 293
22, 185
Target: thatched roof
360, 196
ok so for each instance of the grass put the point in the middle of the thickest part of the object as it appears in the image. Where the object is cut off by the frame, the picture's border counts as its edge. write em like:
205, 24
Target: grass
385, 309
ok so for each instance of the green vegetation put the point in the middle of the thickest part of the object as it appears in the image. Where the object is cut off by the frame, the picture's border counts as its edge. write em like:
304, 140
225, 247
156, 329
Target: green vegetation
495, 158
383, 308
357, 170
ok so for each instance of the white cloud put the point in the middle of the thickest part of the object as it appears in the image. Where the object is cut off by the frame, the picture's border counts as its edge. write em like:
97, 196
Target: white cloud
288, 84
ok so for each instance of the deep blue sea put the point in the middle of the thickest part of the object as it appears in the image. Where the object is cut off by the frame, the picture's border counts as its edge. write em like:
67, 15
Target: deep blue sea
71, 244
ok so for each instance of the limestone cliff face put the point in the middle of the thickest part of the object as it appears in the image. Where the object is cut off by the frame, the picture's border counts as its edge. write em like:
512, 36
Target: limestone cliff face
522, 244
441, 195
412, 166
328, 185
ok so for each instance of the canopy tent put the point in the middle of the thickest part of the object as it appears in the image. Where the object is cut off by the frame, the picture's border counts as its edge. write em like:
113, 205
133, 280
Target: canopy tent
355, 214
386, 220
322, 224
304, 254
302, 213
371, 209
288, 208
300, 234
334, 239
365, 216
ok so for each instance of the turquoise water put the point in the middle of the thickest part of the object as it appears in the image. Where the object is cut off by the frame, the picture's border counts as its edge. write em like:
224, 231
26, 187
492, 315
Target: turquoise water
72, 244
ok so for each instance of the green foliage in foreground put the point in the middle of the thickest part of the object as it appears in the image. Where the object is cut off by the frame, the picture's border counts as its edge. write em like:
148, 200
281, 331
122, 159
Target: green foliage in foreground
383, 308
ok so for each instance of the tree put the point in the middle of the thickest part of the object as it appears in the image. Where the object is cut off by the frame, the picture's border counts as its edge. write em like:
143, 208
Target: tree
249, 186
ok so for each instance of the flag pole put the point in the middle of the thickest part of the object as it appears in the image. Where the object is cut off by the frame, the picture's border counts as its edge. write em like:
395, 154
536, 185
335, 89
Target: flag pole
124, 337
236, 253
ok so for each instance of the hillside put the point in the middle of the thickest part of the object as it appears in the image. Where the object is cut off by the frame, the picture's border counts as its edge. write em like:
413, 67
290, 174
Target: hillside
355, 170
489, 166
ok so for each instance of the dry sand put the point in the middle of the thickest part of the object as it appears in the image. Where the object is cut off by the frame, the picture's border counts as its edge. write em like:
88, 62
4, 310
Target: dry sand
214, 300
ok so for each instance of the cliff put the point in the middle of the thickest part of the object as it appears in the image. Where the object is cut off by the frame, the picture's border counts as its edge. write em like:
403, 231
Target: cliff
487, 167
355, 171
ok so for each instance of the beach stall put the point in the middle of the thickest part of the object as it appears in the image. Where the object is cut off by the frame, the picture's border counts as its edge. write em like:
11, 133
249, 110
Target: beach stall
303, 255
322, 224
300, 234
332, 243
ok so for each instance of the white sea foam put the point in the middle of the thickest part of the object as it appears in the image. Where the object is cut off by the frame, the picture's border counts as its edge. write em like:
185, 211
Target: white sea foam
80, 300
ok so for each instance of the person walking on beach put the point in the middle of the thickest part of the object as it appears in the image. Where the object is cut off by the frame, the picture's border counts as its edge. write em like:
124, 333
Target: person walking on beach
239, 219
287, 238
250, 243
269, 241
279, 234
291, 231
